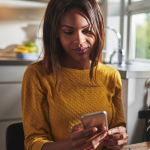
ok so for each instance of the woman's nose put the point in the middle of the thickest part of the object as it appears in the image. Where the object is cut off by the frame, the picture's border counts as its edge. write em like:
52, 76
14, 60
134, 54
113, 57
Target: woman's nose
79, 38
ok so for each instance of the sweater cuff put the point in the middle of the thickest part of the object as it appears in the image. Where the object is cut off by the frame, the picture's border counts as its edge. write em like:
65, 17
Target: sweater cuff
39, 144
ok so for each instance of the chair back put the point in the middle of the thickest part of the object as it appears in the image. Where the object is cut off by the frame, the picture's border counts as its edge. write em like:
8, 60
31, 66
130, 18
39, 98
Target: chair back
15, 137
145, 114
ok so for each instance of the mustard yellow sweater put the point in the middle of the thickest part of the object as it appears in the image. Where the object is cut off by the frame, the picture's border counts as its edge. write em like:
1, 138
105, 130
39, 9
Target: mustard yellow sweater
48, 116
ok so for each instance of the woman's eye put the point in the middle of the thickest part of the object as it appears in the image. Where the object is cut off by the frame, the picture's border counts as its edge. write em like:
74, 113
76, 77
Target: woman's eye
87, 31
69, 33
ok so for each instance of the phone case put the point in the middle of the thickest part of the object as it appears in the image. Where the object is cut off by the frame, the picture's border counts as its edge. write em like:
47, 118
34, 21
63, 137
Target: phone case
96, 119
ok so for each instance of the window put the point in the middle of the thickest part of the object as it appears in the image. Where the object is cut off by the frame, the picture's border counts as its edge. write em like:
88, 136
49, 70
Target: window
141, 35
112, 21
139, 30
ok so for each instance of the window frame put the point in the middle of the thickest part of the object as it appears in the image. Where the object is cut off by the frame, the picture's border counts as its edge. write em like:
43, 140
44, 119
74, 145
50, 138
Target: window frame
135, 8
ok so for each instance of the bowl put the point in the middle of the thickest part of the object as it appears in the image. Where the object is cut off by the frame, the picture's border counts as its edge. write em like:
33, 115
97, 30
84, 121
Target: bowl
27, 56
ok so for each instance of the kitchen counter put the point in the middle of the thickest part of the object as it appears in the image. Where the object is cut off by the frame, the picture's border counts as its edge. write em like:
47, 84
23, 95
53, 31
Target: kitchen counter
133, 70
15, 61
130, 70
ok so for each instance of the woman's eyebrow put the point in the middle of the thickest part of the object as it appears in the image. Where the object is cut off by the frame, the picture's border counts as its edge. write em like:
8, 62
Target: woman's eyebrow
73, 28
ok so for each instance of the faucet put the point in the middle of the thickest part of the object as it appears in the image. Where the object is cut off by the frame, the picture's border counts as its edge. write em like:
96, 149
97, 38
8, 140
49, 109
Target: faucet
121, 52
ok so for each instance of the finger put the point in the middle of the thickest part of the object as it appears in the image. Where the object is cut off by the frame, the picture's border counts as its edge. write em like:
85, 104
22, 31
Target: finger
119, 136
90, 149
114, 142
102, 128
77, 127
111, 147
94, 131
83, 133
81, 141
94, 142
99, 132
107, 137
116, 130
114, 136
100, 137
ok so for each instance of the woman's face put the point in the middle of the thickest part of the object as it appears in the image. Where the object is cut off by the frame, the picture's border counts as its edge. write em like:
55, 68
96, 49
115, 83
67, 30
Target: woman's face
76, 35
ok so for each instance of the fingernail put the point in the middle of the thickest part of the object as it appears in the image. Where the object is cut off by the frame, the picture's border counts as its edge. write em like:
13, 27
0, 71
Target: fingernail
110, 132
103, 128
94, 129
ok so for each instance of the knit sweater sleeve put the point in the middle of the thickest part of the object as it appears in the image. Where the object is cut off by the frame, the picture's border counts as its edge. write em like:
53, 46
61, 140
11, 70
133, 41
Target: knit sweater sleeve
34, 111
117, 106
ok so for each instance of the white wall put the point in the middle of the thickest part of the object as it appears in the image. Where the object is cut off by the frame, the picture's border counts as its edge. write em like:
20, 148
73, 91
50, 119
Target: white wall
113, 20
19, 23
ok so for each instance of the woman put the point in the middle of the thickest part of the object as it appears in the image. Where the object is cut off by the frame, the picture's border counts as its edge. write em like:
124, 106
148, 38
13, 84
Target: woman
71, 81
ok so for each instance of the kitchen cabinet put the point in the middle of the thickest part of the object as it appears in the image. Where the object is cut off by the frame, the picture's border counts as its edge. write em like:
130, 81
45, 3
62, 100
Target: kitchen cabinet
10, 104
134, 99
134, 96
124, 96
10, 96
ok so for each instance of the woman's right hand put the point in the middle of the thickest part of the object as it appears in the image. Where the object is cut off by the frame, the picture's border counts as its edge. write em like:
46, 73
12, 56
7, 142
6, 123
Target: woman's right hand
86, 139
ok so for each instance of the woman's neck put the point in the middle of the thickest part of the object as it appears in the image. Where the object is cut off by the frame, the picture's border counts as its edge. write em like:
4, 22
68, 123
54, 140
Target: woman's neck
80, 65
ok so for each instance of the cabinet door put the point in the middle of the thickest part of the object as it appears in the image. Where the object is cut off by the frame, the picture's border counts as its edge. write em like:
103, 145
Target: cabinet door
124, 96
136, 101
3, 127
10, 101
12, 73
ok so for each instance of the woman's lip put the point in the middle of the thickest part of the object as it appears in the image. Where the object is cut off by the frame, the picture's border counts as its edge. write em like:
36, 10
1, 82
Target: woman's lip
81, 50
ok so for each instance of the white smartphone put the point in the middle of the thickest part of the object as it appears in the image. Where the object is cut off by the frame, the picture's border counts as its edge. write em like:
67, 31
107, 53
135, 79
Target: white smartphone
95, 119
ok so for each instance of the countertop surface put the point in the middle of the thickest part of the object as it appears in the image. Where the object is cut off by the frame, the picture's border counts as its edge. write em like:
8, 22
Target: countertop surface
133, 70
15, 61
129, 70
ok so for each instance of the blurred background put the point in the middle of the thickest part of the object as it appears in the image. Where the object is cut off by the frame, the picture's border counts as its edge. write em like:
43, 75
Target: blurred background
21, 22
127, 31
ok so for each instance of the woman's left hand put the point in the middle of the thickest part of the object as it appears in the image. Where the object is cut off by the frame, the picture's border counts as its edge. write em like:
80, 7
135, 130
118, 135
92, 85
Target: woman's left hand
116, 138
